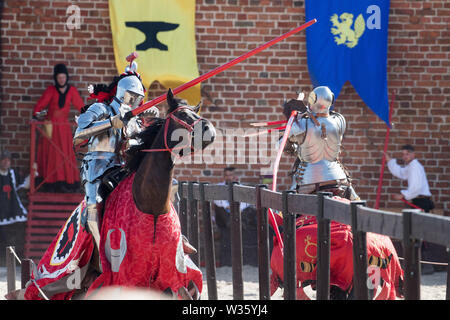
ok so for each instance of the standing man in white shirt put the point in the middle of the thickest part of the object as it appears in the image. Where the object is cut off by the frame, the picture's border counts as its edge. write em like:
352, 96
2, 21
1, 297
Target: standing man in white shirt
418, 191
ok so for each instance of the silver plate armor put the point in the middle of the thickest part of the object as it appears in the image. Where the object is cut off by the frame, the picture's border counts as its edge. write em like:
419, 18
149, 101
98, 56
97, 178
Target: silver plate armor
318, 148
102, 125
104, 140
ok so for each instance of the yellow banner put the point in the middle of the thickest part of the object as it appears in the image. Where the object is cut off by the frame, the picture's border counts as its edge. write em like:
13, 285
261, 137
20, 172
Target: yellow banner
162, 32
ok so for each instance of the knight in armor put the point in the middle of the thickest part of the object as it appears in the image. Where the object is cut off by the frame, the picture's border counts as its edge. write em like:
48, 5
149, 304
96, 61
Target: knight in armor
101, 124
315, 139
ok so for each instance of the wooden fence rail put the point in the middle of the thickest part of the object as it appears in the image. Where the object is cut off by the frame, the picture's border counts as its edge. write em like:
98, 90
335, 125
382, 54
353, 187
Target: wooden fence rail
411, 227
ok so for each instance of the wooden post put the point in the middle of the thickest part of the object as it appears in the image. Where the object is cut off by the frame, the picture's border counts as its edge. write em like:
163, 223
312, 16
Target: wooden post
289, 256
236, 245
263, 247
25, 272
359, 256
447, 293
193, 223
10, 269
32, 185
182, 214
411, 249
210, 259
323, 250
32, 155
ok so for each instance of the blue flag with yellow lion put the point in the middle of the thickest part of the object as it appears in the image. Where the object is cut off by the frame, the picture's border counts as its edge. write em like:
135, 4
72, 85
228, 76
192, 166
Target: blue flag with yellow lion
349, 43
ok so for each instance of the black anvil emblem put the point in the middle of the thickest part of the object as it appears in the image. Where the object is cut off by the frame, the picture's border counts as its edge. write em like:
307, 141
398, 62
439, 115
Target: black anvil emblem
151, 29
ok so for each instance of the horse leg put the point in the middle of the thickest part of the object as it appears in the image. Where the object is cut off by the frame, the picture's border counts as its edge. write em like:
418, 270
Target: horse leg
384, 292
337, 293
193, 290
91, 274
301, 295
189, 293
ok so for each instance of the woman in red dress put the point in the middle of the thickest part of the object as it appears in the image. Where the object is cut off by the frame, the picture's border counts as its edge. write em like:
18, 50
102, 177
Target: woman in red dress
56, 160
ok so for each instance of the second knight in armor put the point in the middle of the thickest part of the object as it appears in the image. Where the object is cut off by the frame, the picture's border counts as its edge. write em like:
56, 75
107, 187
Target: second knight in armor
316, 139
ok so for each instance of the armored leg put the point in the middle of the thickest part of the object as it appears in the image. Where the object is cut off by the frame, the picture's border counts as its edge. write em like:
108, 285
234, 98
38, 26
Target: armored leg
91, 219
92, 223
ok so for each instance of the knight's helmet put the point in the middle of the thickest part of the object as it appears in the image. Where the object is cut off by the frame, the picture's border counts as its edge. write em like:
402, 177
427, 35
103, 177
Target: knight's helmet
320, 99
130, 90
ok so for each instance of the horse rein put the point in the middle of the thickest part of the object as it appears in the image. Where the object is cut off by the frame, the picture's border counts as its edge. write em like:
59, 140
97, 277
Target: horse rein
183, 123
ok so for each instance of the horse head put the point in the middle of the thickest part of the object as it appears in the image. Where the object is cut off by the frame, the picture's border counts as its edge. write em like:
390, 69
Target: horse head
185, 127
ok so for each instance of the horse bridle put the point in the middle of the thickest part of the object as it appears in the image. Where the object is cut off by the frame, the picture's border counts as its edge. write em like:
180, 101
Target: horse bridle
189, 127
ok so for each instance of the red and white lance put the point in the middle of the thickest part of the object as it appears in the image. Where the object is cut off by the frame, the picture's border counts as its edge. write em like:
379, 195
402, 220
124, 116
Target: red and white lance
215, 71
275, 175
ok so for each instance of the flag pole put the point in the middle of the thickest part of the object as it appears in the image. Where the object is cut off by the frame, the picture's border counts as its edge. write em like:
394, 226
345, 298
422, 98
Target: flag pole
217, 70
383, 161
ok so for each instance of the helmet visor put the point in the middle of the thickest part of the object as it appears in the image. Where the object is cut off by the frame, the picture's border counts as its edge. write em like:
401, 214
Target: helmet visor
132, 99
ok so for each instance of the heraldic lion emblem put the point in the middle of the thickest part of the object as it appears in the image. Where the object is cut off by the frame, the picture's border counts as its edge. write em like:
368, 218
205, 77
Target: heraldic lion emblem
342, 29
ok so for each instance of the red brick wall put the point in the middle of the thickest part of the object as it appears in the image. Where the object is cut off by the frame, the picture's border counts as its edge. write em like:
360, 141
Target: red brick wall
34, 38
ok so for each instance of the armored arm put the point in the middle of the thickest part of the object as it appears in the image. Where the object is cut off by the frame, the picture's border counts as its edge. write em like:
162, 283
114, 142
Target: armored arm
94, 121
340, 121
298, 130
